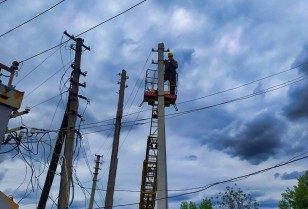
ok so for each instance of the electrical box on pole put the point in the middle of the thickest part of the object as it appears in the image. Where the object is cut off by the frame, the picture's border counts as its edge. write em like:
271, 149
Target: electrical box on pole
10, 98
7, 202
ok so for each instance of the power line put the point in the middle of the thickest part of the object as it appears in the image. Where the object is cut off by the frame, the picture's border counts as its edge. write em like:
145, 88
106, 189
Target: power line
46, 80
47, 50
239, 178
196, 188
143, 121
3, 1
48, 99
31, 18
246, 84
111, 18
173, 115
213, 94
273, 88
206, 107
83, 32
138, 80
35, 68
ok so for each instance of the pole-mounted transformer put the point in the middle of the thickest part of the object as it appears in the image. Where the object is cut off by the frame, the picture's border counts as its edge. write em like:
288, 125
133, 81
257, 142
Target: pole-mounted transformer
10, 98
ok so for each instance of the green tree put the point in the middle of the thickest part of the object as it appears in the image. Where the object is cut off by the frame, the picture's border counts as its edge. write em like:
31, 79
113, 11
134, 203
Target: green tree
205, 204
235, 198
298, 197
230, 199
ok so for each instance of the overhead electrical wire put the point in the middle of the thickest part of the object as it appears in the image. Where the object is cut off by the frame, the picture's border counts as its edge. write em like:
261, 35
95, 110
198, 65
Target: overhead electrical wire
63, 67
112, 18
127, 101
26, 151
173, 115
31, 19
47, 50
245, 97
46, 80
35, 68
1, 2
216, 93
143, 121
48, 99
239, 178
35, 55
125, 118
193, 188
246, 84
272, 88
136, 83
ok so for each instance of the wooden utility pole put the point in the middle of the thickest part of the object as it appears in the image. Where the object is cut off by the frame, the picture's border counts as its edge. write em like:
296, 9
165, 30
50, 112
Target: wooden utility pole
115, 146
58, 146
94, 180
54, 162
72, 111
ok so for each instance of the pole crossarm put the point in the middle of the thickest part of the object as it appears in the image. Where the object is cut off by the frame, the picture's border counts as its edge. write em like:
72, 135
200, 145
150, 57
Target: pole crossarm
73, 38
11, 69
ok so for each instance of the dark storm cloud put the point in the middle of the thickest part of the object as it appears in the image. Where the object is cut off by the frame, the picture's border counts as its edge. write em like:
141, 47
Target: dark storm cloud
302, 61
292, 175
297, 108
191, 157
255, 141
270, 203
203, 122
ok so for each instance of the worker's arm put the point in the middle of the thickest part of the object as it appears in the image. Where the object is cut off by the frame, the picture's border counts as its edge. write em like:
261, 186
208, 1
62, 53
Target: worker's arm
174, 63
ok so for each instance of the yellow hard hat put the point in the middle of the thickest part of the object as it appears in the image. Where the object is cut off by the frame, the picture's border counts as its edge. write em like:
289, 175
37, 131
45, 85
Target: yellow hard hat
170, 54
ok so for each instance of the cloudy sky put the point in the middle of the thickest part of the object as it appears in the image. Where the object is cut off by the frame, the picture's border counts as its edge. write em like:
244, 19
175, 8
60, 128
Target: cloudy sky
242, 94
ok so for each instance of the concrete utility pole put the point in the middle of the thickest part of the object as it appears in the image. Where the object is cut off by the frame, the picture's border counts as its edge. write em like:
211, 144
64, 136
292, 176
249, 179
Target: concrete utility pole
72, 111
94, 181
115, 146
162, 184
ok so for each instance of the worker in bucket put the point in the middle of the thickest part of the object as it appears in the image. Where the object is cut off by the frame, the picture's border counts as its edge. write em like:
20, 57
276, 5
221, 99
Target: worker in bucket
170, 72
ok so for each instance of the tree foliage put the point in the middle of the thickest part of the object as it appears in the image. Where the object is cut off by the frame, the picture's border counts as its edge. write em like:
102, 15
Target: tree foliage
235, 198
205, 204
298, 197
232, 198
